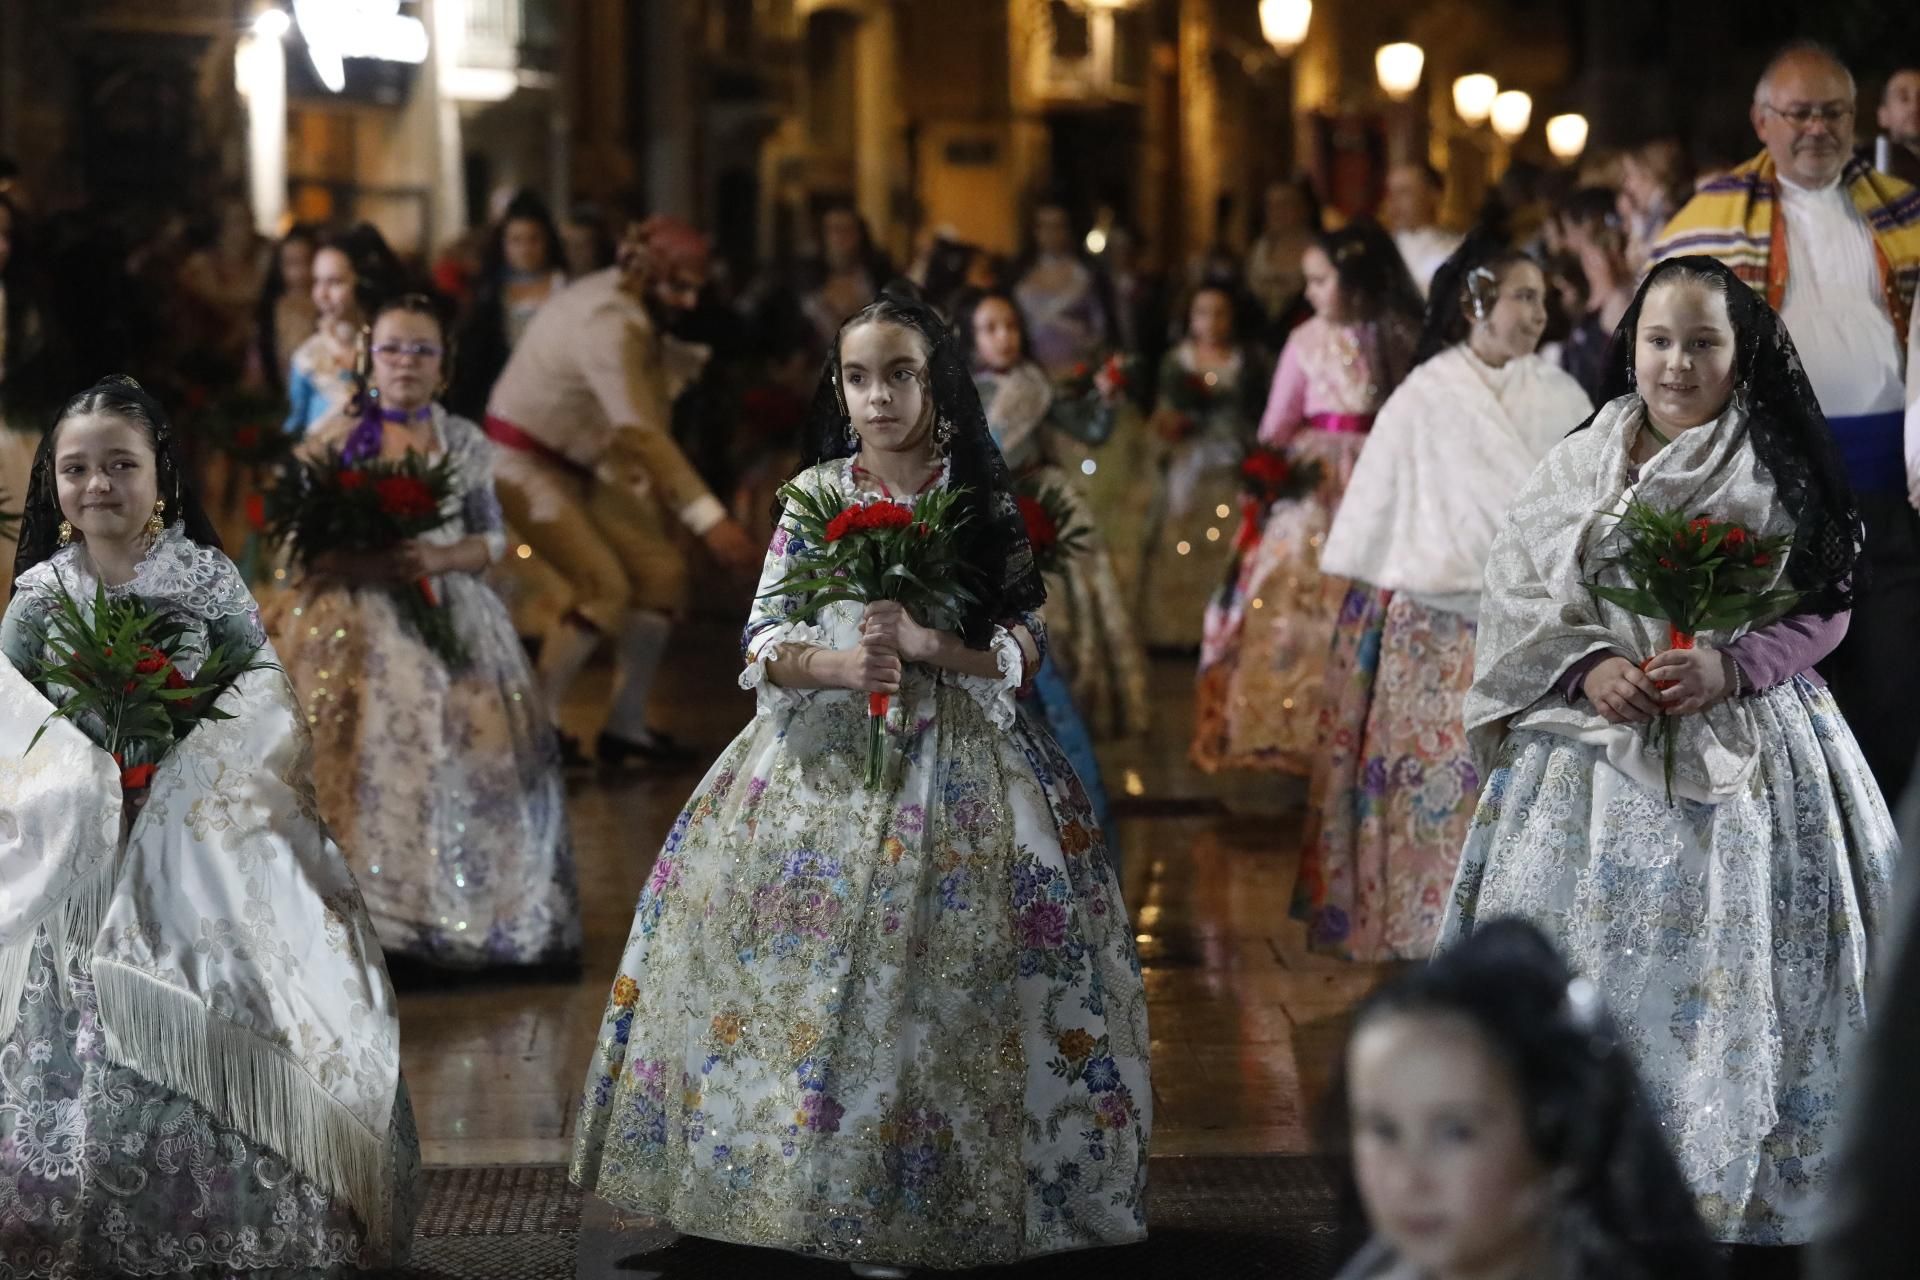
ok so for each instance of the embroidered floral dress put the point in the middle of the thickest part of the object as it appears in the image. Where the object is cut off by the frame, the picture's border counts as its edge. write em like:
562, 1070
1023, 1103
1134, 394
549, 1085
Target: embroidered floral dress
443, 787
1089, 629
103, 1170
1731, 928
1394, 783
1192, 491
1269, 625
902, 1026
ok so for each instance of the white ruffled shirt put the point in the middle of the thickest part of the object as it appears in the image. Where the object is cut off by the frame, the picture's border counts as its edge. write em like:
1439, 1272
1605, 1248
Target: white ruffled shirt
1835, 306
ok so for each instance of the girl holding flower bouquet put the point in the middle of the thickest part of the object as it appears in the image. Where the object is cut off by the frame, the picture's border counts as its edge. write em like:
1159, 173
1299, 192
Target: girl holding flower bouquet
1208, 401
436, 760
199, 1049
1394, 784
899, 1023
1089, 632
1269, 625
1725, 903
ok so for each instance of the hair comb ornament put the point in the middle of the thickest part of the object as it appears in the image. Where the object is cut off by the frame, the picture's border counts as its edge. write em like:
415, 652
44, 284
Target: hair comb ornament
1483, 289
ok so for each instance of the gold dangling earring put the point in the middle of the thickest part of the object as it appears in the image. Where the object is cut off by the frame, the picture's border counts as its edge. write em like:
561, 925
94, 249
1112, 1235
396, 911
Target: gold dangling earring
66, 533
157, 522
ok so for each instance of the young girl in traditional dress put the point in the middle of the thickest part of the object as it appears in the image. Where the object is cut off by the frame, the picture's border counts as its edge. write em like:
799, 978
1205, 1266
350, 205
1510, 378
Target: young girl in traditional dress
442, 784
1728, 915
1494, 1126
1394, 784
902, 1026
1067, 304
199, 1051
1268, 627
351, 271
1089, 631
1203, 421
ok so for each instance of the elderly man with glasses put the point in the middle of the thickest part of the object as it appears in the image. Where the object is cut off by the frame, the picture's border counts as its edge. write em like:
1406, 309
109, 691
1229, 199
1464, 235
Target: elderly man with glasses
1834, 245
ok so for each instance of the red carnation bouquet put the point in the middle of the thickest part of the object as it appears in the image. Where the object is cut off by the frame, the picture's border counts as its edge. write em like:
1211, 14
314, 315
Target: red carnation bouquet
1694, 573
368, 506
1187, 398
247, 426
861, 552
1052, 525
123, 686
1115, 377
1267, 476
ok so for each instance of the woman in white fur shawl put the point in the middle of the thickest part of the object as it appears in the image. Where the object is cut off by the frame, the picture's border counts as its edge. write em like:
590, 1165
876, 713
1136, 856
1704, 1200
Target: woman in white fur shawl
1728, 923
1394, 784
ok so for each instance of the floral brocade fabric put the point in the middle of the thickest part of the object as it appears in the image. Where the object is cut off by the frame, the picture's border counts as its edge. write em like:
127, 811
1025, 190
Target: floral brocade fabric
1731, 941
902, 1025
1394, 786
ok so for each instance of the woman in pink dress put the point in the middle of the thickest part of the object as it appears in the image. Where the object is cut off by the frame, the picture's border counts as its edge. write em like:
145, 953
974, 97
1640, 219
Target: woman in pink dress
1270, 623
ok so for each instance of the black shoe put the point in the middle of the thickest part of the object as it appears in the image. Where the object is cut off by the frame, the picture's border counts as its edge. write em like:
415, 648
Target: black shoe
662, 751
571, 756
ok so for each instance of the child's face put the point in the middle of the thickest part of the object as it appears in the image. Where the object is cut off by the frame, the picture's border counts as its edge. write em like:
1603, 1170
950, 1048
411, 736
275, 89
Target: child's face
1211, 319
1323, 283
333, 282
1518, 317
107, 476
884, 376
996, 334
1441, 1154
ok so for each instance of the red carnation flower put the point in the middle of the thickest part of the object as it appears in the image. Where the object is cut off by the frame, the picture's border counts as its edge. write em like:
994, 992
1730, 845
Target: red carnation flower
405, 496
843, 524
351, 480
1042, 532
1763, 559
1735, 539
137, 778
1266, 469
886, 515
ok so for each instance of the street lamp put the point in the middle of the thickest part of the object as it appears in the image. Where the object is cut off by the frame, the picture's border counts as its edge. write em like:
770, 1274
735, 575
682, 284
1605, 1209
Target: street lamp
1284, 23
1512, 112
1567, 136
1399, 66
1473, 98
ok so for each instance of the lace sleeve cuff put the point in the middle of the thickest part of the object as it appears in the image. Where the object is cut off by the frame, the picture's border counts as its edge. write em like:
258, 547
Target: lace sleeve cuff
764, 648
995, 693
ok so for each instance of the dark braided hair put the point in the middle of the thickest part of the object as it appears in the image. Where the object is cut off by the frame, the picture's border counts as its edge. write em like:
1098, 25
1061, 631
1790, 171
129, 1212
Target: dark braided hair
1621, 1209
120, 397
993, 541
1789, 432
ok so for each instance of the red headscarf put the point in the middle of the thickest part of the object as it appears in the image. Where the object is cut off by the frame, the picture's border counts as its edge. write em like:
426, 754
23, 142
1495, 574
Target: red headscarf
673, 243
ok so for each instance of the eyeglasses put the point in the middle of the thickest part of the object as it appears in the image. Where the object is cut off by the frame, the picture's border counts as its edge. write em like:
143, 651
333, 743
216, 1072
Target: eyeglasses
418, 350
1803, 115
